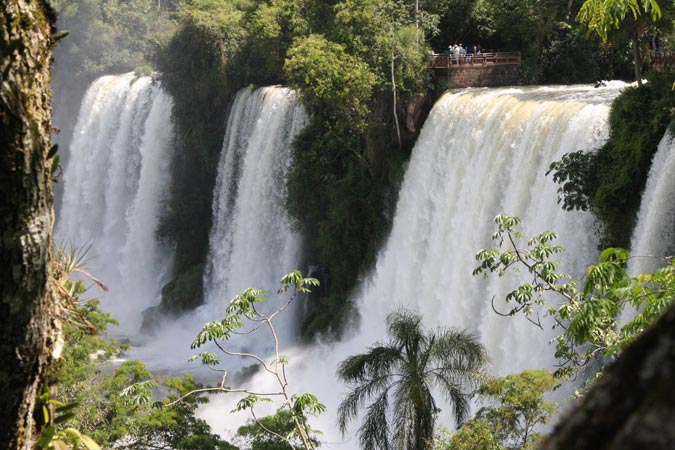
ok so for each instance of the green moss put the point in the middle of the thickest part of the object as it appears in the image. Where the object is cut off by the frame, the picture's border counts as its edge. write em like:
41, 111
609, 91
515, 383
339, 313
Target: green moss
184, 292
342, 192
143, 71
610, 182
638, 120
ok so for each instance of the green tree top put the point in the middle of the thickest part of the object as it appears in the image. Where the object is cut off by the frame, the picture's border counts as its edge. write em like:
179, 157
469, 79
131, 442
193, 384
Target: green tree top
334, 84
602, 16
398, 377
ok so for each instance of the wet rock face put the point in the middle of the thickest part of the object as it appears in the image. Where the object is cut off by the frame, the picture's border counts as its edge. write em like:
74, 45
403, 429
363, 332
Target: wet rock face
416, 111
633, 406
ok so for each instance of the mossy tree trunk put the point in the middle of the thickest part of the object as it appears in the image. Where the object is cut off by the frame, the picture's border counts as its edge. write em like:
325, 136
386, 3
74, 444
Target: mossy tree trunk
26, 30
633, 405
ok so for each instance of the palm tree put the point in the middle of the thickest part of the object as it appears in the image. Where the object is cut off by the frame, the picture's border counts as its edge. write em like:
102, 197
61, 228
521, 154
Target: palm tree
398, 377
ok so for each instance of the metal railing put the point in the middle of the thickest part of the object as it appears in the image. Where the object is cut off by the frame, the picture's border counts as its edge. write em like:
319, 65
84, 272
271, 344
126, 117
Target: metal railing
661, 58
477, 59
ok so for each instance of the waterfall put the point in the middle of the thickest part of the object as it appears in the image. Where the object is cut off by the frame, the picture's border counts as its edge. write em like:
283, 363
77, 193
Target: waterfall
114, 185
654, 234
481, 152
251, 242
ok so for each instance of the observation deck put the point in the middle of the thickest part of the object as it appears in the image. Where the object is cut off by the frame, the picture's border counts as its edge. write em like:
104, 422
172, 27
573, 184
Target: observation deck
479, 69
662, 59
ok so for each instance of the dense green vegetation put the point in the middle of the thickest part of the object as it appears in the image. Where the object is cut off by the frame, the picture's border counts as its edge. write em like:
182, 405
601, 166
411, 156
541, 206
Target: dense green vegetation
256, 434
511, 409
201, 89
610, 182
98, 392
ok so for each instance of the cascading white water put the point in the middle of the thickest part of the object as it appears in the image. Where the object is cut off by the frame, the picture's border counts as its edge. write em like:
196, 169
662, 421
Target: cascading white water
481, 152
251, 242
114, 185
653, 236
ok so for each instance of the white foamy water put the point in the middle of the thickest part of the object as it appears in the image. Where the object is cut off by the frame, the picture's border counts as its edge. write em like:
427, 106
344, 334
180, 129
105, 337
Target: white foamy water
251, 242
653, 237
481, 152
114, 186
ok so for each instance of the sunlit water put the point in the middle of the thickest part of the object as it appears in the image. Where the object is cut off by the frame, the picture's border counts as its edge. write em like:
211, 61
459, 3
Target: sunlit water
653, 237
115, 184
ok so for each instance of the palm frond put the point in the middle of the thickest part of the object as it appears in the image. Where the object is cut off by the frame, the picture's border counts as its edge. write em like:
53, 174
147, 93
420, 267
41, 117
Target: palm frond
409, 364
377, 362
374, 433
405, 328
456, 395
359, 394
458, 348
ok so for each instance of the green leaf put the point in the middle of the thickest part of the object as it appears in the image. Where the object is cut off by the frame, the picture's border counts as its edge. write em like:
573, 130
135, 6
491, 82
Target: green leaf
249, 401
64, 417
55, 164
52, 151
89, 443
46, 436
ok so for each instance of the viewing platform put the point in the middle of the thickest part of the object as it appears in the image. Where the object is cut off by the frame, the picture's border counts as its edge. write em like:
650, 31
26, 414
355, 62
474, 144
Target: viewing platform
478, 70
478, 59
662, 59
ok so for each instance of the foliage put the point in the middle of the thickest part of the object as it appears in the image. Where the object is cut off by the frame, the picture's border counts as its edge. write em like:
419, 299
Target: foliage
601, 16
112, 413
398, 377
516, 406
588, 317
143, 71
618, 18
108, 36
184, 291
572, 57
254, 435
342, 219
244, 317
201, 86
610, 182
349, 157
334, 85
476, 434
467, 22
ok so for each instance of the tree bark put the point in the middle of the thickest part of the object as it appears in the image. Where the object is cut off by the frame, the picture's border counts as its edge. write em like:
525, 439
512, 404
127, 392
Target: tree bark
633, 405
26, 216
637, 55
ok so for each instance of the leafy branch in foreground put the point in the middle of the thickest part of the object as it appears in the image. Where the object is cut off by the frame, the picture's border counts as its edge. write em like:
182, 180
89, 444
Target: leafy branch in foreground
243, 317
588, 316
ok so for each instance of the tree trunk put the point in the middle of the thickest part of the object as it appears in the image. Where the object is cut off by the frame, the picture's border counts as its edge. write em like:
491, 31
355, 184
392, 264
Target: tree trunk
637, 55
26, 217
633, 405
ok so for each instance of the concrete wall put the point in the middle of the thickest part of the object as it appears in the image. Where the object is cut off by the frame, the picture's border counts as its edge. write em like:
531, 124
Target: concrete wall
482, 76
